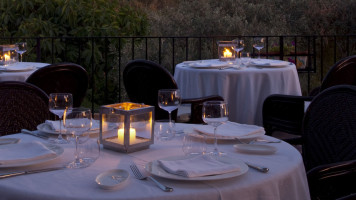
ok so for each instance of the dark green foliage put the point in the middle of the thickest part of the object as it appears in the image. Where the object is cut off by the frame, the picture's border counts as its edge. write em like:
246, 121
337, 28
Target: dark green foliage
75, 18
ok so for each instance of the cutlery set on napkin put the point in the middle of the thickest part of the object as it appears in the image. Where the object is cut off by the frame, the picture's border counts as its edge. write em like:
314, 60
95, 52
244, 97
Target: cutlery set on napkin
197, 166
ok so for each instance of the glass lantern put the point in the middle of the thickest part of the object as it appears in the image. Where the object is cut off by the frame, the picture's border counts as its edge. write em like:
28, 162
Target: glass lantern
226, 51
126, 127
8, 54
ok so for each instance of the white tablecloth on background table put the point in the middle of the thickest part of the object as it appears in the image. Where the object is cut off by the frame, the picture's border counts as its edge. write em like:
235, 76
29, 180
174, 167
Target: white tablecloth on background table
20, 75
285, 180
244, 90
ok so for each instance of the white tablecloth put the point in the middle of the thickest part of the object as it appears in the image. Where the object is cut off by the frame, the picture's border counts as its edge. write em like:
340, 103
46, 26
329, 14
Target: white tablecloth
244, 90
20, 75
285, 180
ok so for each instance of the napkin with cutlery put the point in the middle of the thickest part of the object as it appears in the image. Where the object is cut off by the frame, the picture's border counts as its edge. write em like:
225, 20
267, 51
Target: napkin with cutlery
230, 129
197, 166
55, 125
24, 152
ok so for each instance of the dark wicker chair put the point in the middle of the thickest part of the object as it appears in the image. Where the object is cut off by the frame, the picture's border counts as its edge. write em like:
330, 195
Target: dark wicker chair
329, 127
285, 112
22, 106
143, 79
62, 78
333, 181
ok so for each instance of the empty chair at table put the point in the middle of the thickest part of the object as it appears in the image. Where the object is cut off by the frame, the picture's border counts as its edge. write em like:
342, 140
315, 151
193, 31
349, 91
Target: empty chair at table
333, 181
329, 127
62, 78
143, 79
22, 106
285, 112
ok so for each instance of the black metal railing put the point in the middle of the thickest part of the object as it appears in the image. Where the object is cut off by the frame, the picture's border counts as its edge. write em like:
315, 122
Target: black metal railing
105, 57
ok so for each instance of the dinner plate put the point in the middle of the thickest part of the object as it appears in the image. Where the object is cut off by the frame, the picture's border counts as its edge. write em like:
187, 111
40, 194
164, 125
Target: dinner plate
208, 64
269, 63
9, 140
255, 148
154, 169
46, 128
17, 68
112, 179
194, 133
58, 150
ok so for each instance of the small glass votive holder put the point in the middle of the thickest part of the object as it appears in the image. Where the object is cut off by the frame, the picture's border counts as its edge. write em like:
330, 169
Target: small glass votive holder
245, 59
194, 145
164, 130
89, 150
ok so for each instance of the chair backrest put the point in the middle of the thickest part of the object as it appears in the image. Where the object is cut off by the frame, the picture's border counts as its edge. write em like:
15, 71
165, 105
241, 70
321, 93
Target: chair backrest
62, 78
22, 106
143, 79
342, 72
332, 181
329, 127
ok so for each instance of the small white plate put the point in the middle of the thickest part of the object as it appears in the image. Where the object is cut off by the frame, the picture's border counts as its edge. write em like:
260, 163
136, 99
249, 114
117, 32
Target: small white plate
155, 169
112, 179
255, 148
9, 140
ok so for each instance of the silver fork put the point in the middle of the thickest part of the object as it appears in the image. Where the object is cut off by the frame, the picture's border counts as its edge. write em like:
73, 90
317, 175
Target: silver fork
140, 176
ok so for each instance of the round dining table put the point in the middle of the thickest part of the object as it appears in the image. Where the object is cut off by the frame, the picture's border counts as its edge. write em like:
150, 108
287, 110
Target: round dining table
244, 89
286, 178
19, 71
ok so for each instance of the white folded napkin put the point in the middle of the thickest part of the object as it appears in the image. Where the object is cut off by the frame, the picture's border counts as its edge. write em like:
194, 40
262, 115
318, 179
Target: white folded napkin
24, 152
197, 166
55, 125
230, 129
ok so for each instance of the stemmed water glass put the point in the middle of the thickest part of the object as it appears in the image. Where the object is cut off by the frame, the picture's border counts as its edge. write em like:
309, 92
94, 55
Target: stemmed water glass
59, 103
77, 122
259, 43
215, 113
238, 46
22, 48
169, 100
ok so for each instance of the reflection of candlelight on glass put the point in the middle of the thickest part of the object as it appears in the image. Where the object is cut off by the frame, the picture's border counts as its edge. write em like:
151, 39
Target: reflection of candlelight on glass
227, 53
120, 135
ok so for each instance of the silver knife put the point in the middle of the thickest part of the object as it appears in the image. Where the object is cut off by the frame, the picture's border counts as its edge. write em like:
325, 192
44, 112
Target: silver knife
25, 131
11, 174
257, 167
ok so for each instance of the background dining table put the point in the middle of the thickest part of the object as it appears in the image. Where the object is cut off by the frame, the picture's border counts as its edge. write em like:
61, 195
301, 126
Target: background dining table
286, 178
19, 71
243, 89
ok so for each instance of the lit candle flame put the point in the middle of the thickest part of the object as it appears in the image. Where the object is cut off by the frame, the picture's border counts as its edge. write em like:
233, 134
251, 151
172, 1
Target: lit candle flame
227, 53
7, 57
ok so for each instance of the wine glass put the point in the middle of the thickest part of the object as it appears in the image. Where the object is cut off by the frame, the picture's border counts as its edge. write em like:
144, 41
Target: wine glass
238, 45
259, 43
59, 103
22, 49
215, 113
169, 100
77, 122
